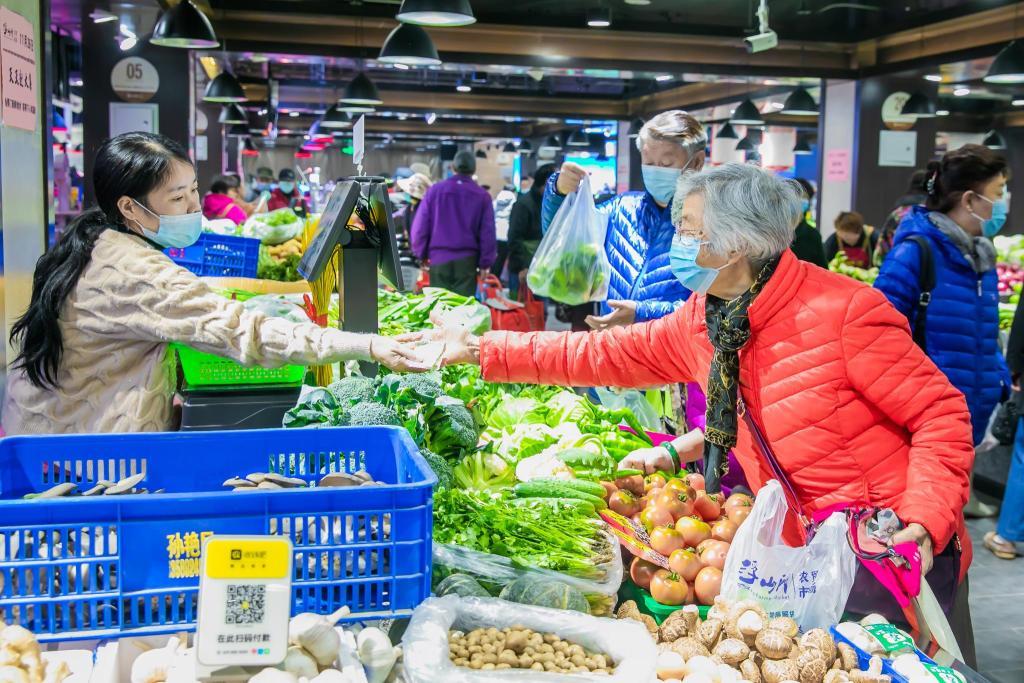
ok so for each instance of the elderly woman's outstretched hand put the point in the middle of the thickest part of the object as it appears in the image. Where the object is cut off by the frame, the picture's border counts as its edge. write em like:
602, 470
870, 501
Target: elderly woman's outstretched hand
397, 356
451, 345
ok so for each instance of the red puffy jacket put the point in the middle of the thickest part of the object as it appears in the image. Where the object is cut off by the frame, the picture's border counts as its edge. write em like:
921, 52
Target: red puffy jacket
852, 408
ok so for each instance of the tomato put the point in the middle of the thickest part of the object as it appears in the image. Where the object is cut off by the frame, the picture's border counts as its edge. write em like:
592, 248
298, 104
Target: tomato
659, 514
740, 515
708, 585
668, 589
666, 540
624, 503
645, 519
707, 506
714, 553
723, 530
655, 481
695, 481
681, 486
634, 484
694, 530
641, 571
609, 489
686, 563
702, 546
677, 503
735, 503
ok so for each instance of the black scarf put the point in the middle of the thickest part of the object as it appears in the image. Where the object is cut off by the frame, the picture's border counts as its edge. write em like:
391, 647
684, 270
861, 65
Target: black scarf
729, 331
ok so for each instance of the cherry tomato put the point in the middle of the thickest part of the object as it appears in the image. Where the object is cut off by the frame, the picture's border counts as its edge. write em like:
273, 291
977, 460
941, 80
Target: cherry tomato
686, 563
724, 530
624, 503
714, 554
707, 506
668, 589
666, 540
641, 571
708, 585
695, 481
676, 502
694, 530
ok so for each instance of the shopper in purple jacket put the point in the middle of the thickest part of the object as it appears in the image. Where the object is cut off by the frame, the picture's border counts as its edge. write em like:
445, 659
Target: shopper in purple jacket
453, 232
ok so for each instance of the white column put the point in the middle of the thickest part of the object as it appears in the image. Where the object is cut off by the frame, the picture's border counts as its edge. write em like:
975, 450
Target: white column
835, 189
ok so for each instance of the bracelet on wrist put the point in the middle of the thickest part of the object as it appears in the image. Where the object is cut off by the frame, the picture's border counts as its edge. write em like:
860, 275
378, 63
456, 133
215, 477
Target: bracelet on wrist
674, 454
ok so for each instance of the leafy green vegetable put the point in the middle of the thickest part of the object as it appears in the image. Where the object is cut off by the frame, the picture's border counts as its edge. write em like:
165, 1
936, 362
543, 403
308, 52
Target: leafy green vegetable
576, 277
482, 472
515, 411
398, 313
351, 390
440, 466
285, 270
450, 429
567, 407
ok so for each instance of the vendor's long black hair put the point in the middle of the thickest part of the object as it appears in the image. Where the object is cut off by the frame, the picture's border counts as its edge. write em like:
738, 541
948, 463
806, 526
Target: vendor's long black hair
131, 165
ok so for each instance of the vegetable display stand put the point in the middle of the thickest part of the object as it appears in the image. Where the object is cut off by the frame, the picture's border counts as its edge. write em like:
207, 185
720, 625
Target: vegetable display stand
106, 566
648, 605
205, 369
219, 256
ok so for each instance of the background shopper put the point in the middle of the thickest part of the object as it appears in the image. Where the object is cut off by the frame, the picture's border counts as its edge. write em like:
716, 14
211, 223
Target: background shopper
106, 301
287, 193
914, 196
1010, 529
524, 228
453, 231
852, 237
640, 223
226, 200
414, 187
806, 239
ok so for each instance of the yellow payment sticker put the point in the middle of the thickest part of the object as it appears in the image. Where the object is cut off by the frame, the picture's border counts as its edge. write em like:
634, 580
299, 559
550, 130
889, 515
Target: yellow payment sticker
256, 558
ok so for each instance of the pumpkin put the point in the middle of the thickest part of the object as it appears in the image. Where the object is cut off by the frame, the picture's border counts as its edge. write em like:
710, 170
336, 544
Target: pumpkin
545, 593
463, 585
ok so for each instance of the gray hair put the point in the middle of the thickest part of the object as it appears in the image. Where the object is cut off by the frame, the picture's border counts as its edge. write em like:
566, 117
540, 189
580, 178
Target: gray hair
676, 126
746, 209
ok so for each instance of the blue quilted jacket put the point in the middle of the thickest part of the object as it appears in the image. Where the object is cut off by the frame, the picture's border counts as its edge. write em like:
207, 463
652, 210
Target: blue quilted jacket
962, 328
637, 243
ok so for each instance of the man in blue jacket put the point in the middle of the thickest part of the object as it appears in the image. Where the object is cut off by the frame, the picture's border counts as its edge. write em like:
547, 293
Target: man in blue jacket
640, 230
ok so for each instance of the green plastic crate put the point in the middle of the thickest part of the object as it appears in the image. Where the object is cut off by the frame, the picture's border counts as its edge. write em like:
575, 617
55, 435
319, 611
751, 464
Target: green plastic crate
648, 605
205, 369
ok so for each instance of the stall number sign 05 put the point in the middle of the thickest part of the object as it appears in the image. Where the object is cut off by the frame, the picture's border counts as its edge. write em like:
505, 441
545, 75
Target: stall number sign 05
134, 79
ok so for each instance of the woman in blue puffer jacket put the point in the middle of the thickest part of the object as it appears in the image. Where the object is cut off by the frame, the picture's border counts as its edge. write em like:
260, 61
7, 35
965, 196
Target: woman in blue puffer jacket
640, 229
966, 207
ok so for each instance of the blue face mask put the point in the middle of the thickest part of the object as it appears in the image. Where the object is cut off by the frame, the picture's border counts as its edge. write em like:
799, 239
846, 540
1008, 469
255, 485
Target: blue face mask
683, 261
990, 227
661, 182
805, 206
286, 187
175, 232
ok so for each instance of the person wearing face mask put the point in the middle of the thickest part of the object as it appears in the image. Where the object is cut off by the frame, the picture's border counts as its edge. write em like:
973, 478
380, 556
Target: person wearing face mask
287, 193
639, 225
106, 302
263, 182
966, 207
806, 239
225, 200
827, 371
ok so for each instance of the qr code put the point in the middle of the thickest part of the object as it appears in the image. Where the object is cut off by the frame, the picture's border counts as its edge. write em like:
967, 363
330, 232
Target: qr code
245, 604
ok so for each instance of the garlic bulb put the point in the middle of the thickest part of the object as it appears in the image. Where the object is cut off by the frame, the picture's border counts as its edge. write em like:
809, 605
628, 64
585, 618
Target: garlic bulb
274, 676
330, 676
13, 674
299, 662
153, 666
377, 654
315, 633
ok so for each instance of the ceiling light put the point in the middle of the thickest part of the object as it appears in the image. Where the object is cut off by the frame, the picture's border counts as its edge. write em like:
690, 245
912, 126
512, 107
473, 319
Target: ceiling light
361, 90
464, 87
232, 113
638, 3
184, 26
799, 103
776, 105
960, 92
430, 118
436, 12
599, 17
480, 154
994, 140
919, 105
578, 138
102, 16
661, 78
747, 114
402, 67
727, 132
525, 147
335, 118
409, 44
934, 78
802, 146
552, 144
127, 43
224, 88
1018, 103
942, 112
76, 82
1008, 66
509, 148
745, 145
293, 114
357, 108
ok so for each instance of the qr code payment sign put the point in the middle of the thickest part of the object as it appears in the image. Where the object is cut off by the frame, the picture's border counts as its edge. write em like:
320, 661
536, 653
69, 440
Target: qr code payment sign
245, 604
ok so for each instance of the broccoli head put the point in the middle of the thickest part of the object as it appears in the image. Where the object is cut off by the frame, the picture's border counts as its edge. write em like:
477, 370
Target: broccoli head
370, 414
440, 466
450, 427
424, 386
351, 390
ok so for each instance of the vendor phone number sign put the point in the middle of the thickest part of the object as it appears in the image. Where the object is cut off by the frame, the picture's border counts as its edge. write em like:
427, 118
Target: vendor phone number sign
18, 65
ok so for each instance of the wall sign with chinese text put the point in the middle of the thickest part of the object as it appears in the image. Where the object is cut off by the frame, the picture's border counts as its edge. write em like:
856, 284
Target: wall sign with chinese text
18, 64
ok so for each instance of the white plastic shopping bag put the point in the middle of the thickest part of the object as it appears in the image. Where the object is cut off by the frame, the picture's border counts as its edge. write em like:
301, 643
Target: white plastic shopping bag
571, 265
809, 583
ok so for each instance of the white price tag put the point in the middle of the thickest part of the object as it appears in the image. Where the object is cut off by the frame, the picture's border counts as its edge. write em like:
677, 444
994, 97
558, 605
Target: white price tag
359, 143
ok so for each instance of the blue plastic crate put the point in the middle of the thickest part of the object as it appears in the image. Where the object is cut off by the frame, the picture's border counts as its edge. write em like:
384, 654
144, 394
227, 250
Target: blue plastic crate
219, 256
107, 566
863, 658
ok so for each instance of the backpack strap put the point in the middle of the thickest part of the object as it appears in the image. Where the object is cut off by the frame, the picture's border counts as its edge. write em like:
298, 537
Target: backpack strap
926, 283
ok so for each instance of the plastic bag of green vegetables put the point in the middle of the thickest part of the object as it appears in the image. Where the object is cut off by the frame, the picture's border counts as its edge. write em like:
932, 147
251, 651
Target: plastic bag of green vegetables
570, 264
275, 227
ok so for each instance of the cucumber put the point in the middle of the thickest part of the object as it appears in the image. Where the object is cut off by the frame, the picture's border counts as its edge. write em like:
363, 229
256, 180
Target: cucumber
581, 485
555, 489
560, 504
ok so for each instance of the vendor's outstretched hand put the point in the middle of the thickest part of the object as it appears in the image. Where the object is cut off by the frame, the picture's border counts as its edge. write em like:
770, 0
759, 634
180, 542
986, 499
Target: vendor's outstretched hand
397, 356
623, 313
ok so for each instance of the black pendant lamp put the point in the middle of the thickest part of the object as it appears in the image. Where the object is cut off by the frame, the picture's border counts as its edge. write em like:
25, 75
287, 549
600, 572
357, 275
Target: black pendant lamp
509, 148
802, 146
745, 145
919, 105
525, 147
239, 130
635, 126
436, 12
578, 138
747, 114
552, 143
994, 140
335, 118
184, 26
756, 136
232, 113
409, 44
224, 88
727, 132
1008, 66
800, 103
480, 154
361, 91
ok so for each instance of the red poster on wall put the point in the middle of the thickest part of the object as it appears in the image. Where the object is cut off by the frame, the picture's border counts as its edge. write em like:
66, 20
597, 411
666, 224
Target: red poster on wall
18, 68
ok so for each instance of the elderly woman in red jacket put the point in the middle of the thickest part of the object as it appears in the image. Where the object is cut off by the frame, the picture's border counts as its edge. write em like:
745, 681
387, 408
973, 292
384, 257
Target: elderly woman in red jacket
852, 408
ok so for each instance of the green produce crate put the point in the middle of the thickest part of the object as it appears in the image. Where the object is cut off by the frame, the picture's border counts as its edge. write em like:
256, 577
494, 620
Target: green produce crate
648, 605
205, 369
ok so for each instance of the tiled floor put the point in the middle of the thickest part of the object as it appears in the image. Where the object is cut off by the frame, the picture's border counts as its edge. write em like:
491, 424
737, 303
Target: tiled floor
997, 609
